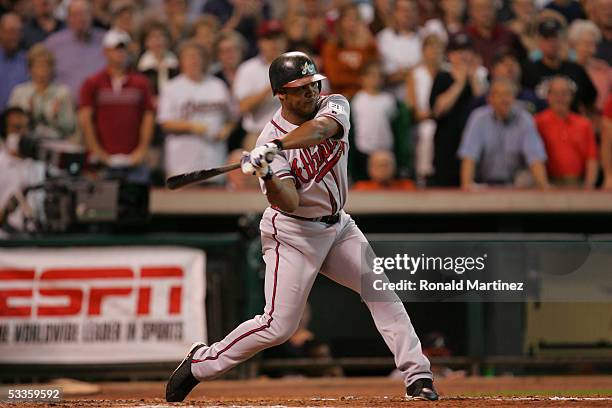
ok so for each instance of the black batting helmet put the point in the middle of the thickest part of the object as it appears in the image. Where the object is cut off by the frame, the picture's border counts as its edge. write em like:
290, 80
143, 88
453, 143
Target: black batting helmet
292, 70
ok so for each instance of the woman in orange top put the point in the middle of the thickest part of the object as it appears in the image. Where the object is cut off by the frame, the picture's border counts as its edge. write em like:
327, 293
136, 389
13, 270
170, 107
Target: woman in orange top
348, 52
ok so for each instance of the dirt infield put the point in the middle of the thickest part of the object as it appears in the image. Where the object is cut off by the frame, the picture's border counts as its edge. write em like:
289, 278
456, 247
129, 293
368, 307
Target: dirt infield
570, 391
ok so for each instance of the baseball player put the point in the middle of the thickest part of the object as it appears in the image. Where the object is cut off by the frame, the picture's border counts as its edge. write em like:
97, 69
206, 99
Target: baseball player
301, 160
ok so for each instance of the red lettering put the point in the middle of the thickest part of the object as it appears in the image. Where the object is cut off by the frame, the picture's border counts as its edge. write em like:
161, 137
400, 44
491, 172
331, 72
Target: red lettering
87, 273
14, 311
144, 300
75, 299
175, 300
16, 274
97, 296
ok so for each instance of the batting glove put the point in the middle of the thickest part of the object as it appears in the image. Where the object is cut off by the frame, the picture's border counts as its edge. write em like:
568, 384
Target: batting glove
247, 166
264, 153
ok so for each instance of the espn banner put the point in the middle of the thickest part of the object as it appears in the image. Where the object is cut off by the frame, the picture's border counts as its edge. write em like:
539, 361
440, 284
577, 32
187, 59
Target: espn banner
100, 305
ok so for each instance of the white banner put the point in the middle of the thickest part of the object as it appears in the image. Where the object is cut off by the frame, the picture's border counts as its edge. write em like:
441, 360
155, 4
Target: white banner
100, 305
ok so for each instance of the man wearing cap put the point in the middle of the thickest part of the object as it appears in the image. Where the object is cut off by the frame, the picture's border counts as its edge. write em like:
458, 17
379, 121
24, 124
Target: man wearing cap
488, 36
77, 49
538, 73
256, 102
116, 112
453, 95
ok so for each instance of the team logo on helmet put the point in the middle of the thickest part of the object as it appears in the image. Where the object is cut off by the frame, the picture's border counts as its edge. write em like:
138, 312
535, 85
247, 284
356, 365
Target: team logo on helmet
308, 69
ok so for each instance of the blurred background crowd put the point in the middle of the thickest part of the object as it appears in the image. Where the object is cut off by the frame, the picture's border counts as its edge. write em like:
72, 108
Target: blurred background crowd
449, 93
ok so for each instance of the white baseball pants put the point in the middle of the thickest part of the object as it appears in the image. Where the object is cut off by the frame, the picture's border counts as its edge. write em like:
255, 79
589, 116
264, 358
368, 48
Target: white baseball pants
295, 251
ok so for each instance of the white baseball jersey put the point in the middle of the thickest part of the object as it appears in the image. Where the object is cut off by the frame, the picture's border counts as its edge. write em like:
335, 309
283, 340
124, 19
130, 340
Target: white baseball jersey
208, 102
319, 172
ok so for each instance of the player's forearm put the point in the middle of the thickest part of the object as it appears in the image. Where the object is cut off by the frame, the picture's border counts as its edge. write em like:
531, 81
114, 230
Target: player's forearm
311, 133
282, 194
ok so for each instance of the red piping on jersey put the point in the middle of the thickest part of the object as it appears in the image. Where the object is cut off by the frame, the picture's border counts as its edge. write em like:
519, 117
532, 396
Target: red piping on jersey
265, 326
276, 125
330, 163
332, 200
338, 186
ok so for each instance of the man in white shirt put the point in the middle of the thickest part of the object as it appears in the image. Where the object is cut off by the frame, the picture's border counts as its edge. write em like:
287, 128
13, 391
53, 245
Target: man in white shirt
400, 45
251, 87
195, 112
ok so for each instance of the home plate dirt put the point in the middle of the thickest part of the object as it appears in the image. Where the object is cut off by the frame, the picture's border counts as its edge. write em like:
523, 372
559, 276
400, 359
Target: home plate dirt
566, 391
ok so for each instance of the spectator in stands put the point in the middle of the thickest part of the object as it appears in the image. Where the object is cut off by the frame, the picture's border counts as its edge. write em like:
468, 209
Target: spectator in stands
116, 113
18, 212
537, 73
318, 25
524, 24
205, 31
345, 55
606, 143
296, 29
101, 14
570, 9
569, 138
452, 19
506, 66
584, 36
230, 50
372, 112
195, 112
49, 104
418, 89
175, 17
453, 94
499, 140
13, 67
603, 19
400, 45
42, 24
383, 15
488, 36
244, 16
123, 18
252, 84
158, 63
77, 49
381, 171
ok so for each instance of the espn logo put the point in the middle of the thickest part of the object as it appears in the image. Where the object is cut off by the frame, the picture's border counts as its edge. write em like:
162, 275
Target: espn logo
66, 292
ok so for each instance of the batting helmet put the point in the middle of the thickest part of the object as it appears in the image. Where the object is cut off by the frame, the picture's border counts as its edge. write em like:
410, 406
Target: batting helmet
292, 70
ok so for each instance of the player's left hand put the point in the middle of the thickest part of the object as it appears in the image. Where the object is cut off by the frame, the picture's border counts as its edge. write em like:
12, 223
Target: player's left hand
264, 153
260, 168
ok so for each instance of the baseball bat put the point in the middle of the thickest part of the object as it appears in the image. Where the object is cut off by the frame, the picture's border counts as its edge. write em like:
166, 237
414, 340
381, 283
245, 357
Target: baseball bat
182, 180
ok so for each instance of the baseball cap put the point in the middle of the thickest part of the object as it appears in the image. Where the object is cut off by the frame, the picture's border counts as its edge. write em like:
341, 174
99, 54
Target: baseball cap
116, 39
270, 28
459, 41
549, 28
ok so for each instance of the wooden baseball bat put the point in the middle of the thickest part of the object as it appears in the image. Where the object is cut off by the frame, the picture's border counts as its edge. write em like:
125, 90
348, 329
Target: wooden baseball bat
182, 180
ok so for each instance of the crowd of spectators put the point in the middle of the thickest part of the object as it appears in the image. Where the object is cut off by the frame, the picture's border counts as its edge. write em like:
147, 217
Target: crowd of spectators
449, 93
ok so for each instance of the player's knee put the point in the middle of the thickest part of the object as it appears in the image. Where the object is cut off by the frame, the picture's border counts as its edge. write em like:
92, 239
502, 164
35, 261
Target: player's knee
282, 333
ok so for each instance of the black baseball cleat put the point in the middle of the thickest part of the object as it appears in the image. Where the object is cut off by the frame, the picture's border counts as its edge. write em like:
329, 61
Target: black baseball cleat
422, 390
181, 382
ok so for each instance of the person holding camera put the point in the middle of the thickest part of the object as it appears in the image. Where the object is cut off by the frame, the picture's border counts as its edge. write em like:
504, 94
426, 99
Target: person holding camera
18, 210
